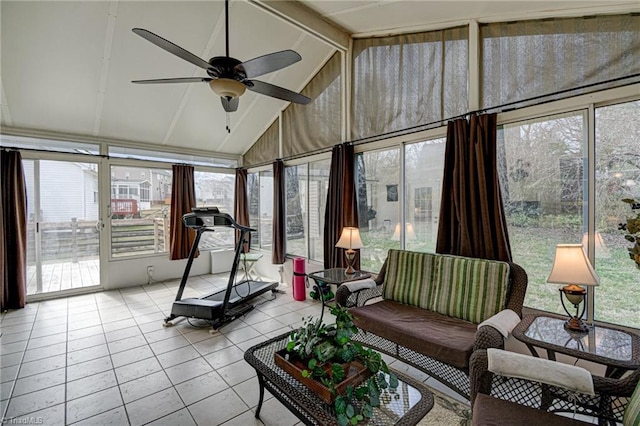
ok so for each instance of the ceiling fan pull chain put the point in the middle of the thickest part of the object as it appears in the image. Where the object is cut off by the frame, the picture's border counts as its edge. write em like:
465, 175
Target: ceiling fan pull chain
228, 122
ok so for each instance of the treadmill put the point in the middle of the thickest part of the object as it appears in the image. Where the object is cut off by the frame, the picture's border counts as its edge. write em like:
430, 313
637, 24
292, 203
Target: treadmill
226, 305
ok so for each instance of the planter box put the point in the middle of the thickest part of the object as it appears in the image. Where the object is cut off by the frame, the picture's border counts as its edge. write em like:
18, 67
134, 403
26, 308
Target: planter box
355, 373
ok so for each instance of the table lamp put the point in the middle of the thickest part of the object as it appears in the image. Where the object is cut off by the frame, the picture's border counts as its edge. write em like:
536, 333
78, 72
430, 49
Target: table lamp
572, 267
350, 240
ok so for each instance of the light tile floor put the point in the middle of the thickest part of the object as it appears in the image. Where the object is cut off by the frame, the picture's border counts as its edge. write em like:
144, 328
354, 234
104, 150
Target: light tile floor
105, 358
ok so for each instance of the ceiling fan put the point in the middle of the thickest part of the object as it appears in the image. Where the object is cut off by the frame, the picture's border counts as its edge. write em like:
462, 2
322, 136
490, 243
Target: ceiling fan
229, 77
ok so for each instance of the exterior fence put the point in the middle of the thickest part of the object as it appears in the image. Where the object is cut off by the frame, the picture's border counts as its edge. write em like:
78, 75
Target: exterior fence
79, 239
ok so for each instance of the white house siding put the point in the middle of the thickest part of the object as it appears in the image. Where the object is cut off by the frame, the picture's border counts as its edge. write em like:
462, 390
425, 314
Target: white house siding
66, 191
90, 182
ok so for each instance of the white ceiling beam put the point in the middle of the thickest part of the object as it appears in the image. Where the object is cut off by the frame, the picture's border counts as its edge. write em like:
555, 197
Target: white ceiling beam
307, 20
104, 70
6, 114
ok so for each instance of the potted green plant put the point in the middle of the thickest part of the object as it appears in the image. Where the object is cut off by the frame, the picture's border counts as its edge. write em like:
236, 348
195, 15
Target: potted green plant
632, 229
338, 369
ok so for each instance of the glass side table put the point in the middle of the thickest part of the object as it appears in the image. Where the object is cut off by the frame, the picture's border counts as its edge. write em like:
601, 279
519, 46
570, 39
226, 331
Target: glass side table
335, 276
617, 349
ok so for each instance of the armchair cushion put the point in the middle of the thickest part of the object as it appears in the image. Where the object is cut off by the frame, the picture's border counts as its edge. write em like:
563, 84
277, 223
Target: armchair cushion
511, 364
490, 411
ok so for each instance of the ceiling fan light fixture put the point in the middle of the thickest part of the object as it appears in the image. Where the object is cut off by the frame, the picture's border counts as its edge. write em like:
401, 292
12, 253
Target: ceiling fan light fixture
227, 87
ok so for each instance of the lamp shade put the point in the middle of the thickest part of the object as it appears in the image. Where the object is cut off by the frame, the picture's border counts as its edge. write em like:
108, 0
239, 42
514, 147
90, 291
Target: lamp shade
571, 266
350, 238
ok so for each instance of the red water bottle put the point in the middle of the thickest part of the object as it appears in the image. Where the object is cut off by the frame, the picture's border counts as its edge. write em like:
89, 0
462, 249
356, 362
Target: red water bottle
299, 279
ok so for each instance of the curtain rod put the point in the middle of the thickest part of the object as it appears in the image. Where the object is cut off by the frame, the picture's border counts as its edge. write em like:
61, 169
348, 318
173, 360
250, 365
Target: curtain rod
439, 123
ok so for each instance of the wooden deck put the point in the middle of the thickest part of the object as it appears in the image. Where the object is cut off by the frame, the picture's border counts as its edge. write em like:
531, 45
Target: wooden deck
64, 276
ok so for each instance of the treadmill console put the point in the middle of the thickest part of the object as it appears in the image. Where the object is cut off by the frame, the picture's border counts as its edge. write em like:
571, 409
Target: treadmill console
207, 217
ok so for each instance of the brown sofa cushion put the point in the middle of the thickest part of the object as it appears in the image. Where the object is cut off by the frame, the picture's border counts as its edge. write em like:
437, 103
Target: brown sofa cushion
446, 339
490, 411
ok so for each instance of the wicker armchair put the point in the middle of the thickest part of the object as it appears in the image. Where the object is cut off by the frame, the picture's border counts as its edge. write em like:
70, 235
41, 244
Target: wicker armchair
498, 399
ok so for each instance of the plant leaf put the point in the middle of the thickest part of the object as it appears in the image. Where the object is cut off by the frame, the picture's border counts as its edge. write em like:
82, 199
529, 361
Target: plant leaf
367, 410
393, 381
343, 420
350, 411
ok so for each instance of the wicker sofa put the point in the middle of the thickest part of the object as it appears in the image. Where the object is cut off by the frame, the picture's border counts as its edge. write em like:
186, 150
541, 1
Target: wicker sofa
425, 315
539, 388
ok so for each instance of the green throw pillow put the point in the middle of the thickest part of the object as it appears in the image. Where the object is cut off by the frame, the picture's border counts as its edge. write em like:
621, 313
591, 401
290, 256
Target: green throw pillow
409, 277
470, 289
632, 410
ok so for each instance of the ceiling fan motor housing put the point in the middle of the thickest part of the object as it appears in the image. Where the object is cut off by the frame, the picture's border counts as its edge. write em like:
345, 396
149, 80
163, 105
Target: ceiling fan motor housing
227, 79
225, 67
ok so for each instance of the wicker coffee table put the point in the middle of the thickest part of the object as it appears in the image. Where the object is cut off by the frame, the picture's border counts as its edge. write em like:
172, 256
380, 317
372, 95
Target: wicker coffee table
414, 402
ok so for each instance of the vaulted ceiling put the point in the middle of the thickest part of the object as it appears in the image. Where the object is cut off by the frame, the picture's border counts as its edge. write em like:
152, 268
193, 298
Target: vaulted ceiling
66, 67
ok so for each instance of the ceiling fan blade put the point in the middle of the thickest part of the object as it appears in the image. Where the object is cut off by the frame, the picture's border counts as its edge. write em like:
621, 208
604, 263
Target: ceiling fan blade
174, 80
230, 104
171, 48
268, 63
276, 92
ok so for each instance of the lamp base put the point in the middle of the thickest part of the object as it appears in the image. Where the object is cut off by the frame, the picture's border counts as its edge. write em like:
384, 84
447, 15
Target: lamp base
350, 256
349, 270
575, 324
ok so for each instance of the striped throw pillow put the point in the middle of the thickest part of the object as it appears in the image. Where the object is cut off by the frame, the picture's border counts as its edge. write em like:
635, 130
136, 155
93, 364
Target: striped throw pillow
632, 410
470, 289
409, 278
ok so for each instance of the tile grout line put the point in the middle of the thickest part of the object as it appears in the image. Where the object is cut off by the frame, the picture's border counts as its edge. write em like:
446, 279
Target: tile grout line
15, 381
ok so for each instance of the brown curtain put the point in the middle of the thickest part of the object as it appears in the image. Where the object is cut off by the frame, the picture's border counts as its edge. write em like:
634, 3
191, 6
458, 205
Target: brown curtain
472, 220
241, 207
279, 209
342, 207
183, 199
13, 231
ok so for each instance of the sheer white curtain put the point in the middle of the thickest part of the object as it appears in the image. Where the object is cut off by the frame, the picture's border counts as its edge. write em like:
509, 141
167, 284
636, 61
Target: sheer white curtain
408, 80
525, 59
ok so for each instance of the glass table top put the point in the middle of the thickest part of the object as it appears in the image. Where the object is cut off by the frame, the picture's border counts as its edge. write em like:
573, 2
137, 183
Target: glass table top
600, 341
338, 276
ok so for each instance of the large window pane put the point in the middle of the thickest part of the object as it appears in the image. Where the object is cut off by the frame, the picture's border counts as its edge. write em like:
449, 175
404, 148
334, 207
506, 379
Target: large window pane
63, 241
617, 177
296, 180
377, 184
424, 167
318, 186
253, 195
543, 178
266, 208
215, 190
260, 195
140, 206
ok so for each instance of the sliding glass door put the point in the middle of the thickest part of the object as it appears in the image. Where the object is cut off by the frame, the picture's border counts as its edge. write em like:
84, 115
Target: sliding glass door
63, 225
